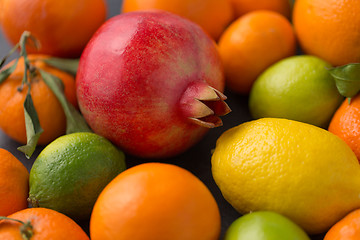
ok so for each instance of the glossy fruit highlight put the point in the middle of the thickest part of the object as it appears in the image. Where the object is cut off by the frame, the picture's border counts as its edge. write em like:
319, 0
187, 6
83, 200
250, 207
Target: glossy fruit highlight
155, 201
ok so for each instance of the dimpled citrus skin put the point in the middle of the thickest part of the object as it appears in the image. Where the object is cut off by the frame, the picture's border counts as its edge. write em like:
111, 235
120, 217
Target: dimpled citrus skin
329, 29
346, 123
69, 174
155, 201
301, 171
298, 88
46, 224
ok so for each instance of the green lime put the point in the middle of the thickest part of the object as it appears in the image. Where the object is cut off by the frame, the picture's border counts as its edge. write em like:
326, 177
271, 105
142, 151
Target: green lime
264, 225
297, 88
69, 174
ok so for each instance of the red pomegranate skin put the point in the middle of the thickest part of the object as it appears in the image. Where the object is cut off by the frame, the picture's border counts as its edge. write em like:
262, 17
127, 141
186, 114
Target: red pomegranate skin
132, 81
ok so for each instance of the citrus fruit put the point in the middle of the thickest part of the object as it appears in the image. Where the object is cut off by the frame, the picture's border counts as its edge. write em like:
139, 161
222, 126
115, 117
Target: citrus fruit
51, 115
346, 123
155, 201
251, 44
62, 27
70, 172
40, 224
298, 88
264, 225
329, 29
295, 169
347, 228
212, 15
14, 184
242, 7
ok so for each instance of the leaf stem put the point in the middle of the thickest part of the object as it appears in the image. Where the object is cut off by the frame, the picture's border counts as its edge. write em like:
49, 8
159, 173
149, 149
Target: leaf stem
26, 228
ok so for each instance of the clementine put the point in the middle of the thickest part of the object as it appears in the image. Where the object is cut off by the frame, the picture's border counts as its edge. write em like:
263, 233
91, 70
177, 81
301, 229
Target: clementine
51, 115
14, 184
242, 7
40, 224
63, 27
346, 124
347, 228
155, 201
251, 44
212, 15
329, 29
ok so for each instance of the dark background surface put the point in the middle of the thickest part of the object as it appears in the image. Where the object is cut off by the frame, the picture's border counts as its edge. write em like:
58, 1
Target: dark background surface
196, 159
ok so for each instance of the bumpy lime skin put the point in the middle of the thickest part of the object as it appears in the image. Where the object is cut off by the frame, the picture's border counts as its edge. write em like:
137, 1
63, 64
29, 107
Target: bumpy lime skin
69, 174
264, 225
298, 88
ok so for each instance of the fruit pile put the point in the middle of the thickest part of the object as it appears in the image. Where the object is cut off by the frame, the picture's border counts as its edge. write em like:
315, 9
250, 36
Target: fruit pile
181, 120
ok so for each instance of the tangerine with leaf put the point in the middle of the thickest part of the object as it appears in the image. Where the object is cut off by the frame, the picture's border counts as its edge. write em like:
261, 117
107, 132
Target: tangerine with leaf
51, 115
40, 224
38, 101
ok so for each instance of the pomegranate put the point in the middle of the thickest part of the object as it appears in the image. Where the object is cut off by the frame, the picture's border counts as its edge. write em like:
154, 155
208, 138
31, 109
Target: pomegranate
151, 82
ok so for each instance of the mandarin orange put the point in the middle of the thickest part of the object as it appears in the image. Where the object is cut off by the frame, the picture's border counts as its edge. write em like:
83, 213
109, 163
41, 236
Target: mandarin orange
329, 29
43, 223
242, 7
14, 184
347, 228
63, 27
212, 15
155, 201
346, 123
253, 43
51, 115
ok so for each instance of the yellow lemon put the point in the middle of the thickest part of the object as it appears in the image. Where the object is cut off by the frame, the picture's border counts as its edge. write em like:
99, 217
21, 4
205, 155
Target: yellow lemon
296, 169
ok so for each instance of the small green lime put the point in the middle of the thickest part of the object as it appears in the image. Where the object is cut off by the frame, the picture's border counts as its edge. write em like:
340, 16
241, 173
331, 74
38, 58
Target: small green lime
264, 225
69, 174
297, 88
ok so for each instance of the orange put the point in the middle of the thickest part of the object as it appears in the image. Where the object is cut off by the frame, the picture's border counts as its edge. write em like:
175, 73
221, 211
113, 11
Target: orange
329, 29
346, 124
212, 15
155, 201
51, 116
14, 184
62, 27
242, 7
251, 44
347, 228
46, 224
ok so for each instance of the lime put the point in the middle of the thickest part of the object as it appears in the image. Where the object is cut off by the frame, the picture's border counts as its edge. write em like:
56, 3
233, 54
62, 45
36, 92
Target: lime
296, 169
69, 174
264, 225
298, 88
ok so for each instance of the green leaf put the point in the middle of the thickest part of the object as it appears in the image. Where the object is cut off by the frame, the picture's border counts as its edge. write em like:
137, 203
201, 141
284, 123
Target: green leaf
66, 65
33, 128
74, 120
347, 79
4, 74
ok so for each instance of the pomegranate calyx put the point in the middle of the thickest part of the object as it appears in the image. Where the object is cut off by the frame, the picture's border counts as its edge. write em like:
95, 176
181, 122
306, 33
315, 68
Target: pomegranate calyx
203, 105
